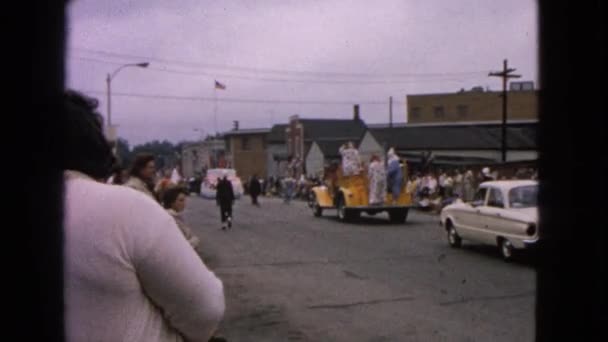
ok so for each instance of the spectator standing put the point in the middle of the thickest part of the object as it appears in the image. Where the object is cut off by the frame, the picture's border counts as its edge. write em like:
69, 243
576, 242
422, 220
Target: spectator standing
121, 249
141, 176
468, 186
174, 201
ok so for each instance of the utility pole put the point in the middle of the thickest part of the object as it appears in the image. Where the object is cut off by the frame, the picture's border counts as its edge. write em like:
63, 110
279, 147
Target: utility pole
390, 112
505, 74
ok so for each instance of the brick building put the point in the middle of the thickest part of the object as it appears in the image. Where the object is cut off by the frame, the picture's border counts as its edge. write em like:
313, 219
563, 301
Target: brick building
475, 105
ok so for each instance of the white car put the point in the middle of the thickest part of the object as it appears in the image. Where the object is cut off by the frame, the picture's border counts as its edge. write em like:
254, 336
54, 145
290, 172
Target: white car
503, 213
209, 183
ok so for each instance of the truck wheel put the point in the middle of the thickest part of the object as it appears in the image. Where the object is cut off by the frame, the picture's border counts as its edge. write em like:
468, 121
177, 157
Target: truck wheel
398, 216
341, 208
316, 208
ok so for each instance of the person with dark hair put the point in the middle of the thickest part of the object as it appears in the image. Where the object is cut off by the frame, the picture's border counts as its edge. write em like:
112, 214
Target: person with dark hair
120, 175
255, 188
129, 274
86, 148
225, 198
174, 200
142, 174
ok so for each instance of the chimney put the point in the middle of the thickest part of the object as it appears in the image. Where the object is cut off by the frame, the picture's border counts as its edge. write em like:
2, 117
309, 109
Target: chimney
356, 116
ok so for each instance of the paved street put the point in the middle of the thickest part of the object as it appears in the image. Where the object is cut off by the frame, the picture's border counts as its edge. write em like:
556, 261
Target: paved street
289, 276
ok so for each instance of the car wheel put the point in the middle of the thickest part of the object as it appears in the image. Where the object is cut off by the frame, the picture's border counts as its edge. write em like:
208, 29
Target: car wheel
506, 249
454, 239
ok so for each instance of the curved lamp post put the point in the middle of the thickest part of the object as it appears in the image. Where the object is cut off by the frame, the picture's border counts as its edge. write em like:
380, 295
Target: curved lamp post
109, 92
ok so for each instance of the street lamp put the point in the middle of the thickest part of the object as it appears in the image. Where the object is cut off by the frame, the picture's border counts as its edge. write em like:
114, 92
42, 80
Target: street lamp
109, 92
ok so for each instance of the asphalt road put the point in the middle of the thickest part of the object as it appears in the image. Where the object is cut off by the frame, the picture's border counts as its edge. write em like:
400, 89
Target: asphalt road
289, 276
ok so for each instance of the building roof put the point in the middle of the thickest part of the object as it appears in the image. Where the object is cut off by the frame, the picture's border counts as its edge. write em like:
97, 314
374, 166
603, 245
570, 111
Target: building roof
277, 134
454, 123
249, 131
457, 137
334, 129
330, 148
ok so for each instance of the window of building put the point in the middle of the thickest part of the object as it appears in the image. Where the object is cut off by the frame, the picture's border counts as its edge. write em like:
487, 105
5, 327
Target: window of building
439, 113
416, 112
463, 111
245, 144
228, 144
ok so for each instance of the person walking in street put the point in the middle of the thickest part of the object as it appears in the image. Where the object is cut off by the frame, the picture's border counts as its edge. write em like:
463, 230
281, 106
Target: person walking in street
121, 249
289, 184
255, 189
394, 175
141, 176
174, 201
377, 181
225, 200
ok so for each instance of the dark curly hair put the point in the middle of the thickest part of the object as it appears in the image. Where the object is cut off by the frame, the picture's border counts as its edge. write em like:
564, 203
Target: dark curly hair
170, 196
86, 148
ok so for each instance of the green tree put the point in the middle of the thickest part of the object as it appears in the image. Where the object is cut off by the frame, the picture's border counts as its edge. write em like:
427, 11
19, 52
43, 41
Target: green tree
124, 152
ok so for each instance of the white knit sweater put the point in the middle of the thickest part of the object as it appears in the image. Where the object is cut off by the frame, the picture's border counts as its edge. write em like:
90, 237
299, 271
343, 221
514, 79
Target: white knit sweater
130, 275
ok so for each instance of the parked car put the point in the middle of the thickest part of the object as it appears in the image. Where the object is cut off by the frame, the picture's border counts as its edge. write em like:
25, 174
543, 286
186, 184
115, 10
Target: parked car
502, 213
209, 184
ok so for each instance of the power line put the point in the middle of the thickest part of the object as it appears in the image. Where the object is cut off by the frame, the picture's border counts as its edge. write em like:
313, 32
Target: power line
236, 100
265, 79
274, 71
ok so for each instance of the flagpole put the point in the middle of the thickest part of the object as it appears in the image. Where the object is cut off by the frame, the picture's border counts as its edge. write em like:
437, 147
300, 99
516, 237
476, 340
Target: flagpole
215, 109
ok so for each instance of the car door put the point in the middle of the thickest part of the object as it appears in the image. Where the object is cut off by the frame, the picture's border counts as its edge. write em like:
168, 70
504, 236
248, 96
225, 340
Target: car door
492, 216
470, 224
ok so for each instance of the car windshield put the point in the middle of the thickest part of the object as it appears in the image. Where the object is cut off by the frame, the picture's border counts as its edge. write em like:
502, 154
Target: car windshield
523, 196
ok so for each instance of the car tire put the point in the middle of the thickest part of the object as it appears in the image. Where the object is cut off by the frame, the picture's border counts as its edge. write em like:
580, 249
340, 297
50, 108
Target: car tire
454, 240
506, 249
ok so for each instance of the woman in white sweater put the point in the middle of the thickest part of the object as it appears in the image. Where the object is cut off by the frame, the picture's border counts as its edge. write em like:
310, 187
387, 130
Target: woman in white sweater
129, 273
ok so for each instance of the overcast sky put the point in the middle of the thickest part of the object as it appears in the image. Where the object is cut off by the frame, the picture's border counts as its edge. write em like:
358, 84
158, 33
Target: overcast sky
311, 58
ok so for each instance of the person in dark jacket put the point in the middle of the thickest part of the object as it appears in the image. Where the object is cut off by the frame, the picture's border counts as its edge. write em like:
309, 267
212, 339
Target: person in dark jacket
255, 188
225, 199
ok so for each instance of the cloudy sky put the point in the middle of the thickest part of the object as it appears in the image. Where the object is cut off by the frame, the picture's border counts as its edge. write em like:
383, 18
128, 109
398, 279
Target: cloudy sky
278, 58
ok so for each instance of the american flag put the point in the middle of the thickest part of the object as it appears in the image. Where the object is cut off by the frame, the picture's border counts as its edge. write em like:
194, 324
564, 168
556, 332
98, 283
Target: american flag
218, 85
